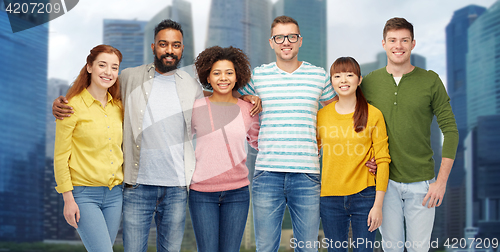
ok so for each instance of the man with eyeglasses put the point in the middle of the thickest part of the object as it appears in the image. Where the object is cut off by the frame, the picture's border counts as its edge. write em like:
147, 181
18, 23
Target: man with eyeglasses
287, 166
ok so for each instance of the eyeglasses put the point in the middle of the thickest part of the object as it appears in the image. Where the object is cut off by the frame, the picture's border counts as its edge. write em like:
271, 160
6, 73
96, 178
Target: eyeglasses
280, 39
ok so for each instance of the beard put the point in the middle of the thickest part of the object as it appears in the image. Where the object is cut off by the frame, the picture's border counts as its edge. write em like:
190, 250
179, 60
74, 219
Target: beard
164, 68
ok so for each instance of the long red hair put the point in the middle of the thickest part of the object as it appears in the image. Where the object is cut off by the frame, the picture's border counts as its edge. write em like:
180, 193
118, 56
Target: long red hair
350, 65
83, 79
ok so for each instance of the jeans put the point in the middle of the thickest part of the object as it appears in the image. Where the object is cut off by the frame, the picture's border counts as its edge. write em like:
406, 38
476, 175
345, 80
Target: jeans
271, 193
100, 215
219, 218
166, 204
337, 212
403, 202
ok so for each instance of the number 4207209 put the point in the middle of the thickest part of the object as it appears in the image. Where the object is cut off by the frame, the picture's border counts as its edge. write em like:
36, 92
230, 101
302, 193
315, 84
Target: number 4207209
478, 243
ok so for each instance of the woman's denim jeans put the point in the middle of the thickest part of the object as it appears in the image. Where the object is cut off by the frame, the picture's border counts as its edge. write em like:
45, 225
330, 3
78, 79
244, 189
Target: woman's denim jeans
338, 212
100, 215
219, 218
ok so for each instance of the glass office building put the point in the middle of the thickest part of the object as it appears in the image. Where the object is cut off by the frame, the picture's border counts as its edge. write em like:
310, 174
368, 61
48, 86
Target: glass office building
128, 37
483, 66
456, 51
23, 91
244, 24
311, 16
483, 119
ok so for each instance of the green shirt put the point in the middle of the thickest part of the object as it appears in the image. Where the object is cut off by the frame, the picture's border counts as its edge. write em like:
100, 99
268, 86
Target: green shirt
408, 110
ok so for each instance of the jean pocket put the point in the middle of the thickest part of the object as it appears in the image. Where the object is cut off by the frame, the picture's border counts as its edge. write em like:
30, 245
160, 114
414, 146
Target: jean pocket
257, 174
313, 177
130, 187
368, 192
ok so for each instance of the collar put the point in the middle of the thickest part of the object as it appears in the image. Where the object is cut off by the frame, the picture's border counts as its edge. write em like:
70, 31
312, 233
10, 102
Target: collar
88, 99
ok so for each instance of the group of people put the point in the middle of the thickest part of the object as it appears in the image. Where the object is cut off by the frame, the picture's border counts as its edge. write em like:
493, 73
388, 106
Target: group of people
144, 143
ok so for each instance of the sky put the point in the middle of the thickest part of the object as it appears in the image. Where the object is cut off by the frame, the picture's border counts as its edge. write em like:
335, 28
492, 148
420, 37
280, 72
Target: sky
354, 28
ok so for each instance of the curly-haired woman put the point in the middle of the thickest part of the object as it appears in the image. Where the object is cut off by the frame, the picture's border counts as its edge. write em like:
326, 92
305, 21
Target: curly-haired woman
219, 197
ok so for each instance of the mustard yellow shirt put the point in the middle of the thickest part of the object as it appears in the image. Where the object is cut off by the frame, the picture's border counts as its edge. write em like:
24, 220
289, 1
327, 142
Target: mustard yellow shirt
88, 144
345, 152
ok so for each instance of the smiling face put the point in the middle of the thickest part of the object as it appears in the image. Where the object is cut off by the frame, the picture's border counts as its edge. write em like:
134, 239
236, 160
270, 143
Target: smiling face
398, 45
286, 51
222, 77
167, 49
345, 83
104, 70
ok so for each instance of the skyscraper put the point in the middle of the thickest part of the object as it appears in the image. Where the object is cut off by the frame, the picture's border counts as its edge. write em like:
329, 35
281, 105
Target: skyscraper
55, 226
483, 66
483, 119
23, 90
128, 37
244, 24
179, 11
311, 16
456, 50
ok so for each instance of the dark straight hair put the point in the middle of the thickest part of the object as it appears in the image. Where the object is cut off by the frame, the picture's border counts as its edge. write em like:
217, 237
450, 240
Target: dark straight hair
350, 65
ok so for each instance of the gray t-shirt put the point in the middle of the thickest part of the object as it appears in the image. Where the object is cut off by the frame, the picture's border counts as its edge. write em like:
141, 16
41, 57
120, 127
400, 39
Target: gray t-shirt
162, 150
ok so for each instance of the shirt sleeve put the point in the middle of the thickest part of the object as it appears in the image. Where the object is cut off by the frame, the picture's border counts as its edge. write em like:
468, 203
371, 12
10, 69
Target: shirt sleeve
381, 151
328, 91
248, 89
62, 151
445, 118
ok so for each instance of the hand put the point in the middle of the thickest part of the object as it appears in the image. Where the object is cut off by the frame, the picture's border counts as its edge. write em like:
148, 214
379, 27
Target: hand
435, 194
255, 100
71, 213
59, 109
374, 218
372, 166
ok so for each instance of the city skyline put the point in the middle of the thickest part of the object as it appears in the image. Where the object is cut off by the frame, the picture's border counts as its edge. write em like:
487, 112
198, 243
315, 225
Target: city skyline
352, 31
476, 54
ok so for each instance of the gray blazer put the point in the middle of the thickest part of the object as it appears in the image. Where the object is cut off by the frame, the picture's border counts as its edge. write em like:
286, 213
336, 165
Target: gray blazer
136, 84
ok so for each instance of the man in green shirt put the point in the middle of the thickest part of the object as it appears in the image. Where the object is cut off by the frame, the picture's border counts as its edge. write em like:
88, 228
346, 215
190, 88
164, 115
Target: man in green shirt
409, 97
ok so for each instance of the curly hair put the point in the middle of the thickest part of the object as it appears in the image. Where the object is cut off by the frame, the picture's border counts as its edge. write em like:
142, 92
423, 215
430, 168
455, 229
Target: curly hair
209, 56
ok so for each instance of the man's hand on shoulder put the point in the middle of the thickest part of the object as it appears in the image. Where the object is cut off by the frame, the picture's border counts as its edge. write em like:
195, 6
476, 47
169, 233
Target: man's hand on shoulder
255, 100
60, 109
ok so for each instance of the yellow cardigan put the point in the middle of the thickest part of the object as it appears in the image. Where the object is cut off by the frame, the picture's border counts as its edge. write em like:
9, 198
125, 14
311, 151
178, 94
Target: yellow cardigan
345, 152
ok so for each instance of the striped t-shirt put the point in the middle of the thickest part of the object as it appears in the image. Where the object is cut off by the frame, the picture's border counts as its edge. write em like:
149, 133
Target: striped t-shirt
287, 137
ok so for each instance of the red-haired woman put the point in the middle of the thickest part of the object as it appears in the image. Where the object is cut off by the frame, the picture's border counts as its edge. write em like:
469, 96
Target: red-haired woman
87, 155
351, 132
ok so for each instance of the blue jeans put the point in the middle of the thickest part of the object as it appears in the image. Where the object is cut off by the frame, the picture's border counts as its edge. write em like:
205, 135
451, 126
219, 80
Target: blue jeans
219, 218
100, 215
403, 203
337, 212
166, 204
271, 193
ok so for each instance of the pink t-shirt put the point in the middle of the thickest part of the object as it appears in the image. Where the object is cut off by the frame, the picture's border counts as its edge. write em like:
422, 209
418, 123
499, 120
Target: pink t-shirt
221, 131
